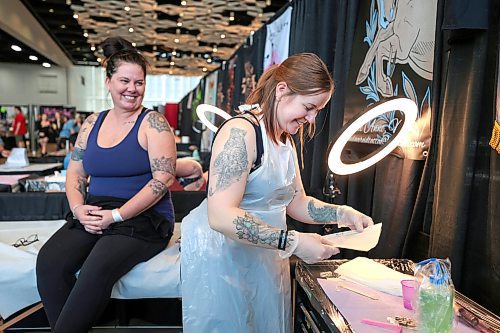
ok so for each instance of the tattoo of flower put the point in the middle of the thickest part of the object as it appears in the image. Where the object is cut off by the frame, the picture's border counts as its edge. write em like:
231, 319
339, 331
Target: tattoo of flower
158, 188
232, 162
247, 228
323, 214
163, 164
158, 122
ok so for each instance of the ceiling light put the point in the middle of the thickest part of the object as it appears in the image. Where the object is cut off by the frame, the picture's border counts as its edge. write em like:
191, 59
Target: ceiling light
170, 72
63, 26
172, 63
34, 58
134, 44
154, 47
176, 40
75, 16
73, 42
127, 8
92, 48
204, 69
222, 36
183, 3
179, 24
214, 49
99, 59
231, 16
51, 10
209, 60
68, 2
163, 55
16, 48
85, 34
174, 52
130, 29
46, 65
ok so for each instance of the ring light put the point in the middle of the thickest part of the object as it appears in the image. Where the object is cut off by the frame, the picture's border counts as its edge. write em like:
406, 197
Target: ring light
405, 105
203, 108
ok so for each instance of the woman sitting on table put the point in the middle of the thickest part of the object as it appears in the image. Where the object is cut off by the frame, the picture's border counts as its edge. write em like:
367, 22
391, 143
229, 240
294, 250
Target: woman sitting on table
127, 215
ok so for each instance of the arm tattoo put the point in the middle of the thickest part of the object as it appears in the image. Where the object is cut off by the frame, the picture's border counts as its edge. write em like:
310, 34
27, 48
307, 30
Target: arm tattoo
158, 122
158, 188
81, 185
77, 154
163, 164
322, 214
247, 228
232, 162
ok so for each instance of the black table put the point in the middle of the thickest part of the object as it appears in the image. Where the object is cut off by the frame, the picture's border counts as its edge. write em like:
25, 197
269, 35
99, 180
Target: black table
315, 312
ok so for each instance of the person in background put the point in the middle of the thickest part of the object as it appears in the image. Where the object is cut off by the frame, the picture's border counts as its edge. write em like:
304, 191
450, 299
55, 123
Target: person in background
44, 129
126, 216
19, 127
189, 175
57, 124
3, 152
235, 245
66, 131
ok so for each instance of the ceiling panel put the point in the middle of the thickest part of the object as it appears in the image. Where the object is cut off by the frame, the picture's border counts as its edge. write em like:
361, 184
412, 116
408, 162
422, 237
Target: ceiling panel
177, 37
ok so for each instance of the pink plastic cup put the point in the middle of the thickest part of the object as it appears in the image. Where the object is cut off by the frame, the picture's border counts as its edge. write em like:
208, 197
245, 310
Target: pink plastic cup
409, 287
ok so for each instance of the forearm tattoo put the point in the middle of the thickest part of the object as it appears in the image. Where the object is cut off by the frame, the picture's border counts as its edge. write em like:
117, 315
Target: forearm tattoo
248, 229
232, 162
322, 214
159, 189
158, 122
163, 164
81, 185
77, 154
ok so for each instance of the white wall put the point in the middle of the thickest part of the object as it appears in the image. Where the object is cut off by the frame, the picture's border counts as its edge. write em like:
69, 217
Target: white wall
32, 84
80, 86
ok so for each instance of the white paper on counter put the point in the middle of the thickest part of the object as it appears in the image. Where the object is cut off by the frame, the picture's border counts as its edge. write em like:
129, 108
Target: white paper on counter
354, 240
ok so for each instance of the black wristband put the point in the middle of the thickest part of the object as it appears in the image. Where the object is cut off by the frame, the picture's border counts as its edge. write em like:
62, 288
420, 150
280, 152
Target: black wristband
280, 240
284, 241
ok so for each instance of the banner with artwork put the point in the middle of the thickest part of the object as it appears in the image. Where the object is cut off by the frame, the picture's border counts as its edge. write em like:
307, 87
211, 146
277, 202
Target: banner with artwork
277, 39
393, 56
211, 99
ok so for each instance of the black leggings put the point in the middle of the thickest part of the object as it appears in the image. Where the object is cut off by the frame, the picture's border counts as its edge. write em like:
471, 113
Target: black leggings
71, 304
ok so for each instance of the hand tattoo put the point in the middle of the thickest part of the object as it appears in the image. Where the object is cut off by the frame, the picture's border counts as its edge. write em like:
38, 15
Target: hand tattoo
322, 214
163, 164
232, 162
157, 121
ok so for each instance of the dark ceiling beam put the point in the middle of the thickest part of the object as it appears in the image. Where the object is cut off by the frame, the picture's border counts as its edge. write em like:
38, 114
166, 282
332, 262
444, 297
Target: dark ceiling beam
21, 24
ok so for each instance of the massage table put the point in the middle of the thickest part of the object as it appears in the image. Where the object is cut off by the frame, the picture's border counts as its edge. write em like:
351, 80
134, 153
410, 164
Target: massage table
159, 277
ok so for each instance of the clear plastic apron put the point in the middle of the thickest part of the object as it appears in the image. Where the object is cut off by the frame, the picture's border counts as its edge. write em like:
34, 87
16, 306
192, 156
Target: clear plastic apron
229, 286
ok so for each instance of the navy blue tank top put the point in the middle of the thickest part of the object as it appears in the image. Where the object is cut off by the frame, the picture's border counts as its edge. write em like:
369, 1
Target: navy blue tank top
123, 170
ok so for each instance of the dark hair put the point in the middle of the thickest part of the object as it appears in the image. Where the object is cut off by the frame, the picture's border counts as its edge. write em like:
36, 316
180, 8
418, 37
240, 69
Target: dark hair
117, 50
304, 74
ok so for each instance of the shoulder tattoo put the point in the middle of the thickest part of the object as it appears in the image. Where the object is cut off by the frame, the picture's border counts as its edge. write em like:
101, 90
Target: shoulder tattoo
327, 213
158, 122
232, 162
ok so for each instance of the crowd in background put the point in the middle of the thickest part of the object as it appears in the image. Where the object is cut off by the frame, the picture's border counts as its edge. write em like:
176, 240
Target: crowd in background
53, 133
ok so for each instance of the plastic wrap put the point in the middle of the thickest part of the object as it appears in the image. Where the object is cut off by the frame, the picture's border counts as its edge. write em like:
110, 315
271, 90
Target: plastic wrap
435, 296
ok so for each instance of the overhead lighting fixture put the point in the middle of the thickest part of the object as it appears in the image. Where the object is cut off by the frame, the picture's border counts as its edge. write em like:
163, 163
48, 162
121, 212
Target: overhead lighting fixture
51, 10
127, 8
405, 105
46, 65
204, 108
204, 69
172, 63
214, 49
183, 3
174, 52
33, 57
92, 48
176, 40
222, 36
85, 34
231, 16
16, 48
134, 44
75, 16
130, 29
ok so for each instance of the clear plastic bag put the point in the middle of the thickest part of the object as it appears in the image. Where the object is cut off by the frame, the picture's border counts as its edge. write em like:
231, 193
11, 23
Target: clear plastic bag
435, 296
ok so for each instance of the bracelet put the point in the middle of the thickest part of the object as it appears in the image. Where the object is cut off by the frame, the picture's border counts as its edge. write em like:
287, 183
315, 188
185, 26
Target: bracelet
74, 208
115, 213
282, 240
